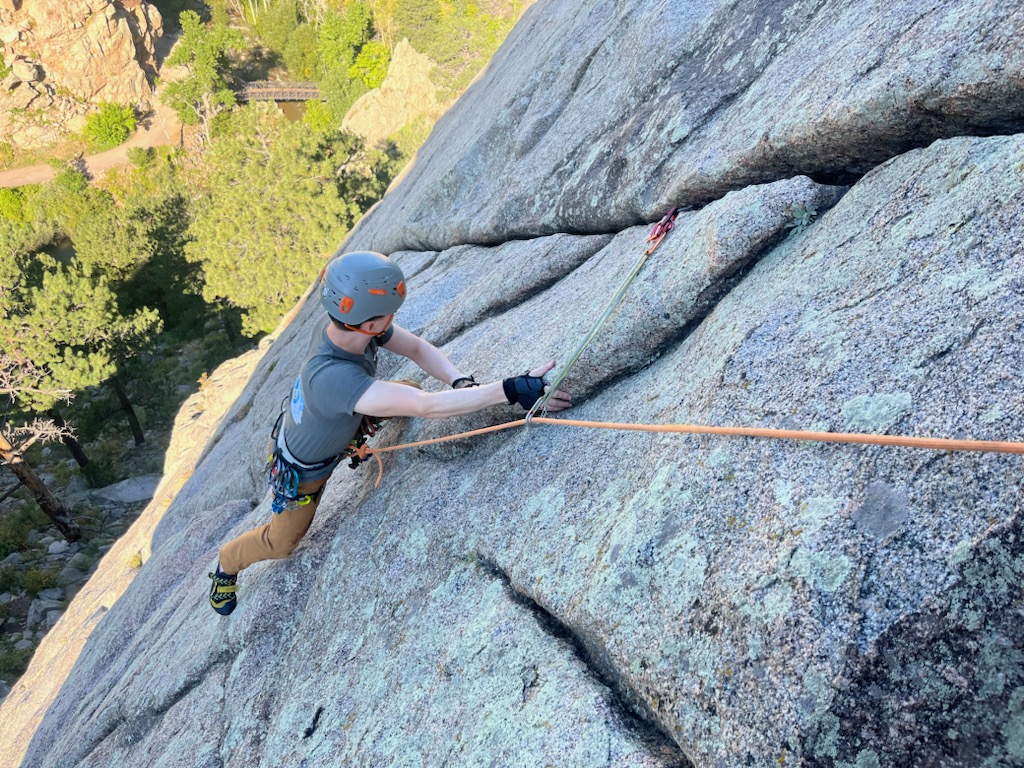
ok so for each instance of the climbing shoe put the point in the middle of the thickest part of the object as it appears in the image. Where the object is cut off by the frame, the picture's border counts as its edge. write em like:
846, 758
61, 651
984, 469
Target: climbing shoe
223, 596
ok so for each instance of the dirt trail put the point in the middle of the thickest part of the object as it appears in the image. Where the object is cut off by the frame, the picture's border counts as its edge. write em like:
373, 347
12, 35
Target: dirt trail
157, 129
161, 127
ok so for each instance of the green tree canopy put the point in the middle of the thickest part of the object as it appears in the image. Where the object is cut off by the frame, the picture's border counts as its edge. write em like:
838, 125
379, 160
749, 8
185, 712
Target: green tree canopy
275, 24
460, 39
300, 53
22, 229
60, 204
371, 65
343, 34
66, 325
278, 198
204, 92
414, 19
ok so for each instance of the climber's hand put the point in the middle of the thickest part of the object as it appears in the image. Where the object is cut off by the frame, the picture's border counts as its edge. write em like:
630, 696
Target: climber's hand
526, 390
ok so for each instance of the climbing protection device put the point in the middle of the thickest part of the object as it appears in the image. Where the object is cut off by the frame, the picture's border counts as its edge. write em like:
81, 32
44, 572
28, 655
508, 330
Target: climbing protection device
654, 239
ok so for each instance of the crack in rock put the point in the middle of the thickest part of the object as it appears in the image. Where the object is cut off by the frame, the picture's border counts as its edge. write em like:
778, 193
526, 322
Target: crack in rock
628, 705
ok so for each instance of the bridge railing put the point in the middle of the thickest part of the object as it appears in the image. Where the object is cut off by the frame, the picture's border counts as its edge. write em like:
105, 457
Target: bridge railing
275, 90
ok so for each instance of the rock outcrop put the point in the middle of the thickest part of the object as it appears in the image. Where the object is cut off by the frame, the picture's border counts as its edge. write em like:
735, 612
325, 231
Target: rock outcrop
65, 55
406, 95
850, 262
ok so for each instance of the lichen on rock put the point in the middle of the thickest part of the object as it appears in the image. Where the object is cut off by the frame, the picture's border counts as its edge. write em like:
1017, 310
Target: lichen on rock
555, 595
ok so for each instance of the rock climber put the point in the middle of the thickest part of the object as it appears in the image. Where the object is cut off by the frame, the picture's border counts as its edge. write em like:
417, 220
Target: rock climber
336, 402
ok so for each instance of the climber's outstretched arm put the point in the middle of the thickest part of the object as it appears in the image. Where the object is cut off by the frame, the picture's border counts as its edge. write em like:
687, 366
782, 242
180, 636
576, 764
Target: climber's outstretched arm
385, 398
428, 357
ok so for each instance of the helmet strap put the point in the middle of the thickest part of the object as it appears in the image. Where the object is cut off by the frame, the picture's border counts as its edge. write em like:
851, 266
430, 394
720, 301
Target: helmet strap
359, 329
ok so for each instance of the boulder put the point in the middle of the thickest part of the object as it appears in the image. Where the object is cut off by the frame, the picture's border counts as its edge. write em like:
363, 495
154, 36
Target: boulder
20, 96
26, 71
39, 609
13, 559
129, 491
406, 95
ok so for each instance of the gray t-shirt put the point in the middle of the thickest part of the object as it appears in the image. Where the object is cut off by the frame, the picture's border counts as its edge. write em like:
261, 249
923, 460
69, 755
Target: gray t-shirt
320, 420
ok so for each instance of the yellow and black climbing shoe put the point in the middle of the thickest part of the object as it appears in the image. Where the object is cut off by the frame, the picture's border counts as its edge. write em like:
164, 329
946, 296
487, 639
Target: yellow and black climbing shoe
223, 596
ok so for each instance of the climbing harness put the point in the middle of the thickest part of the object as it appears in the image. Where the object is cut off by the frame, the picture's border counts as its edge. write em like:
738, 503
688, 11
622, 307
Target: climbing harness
285, 473
661, 229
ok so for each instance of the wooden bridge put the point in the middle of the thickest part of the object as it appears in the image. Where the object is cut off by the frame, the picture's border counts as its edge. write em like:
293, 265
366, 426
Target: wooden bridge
273, 90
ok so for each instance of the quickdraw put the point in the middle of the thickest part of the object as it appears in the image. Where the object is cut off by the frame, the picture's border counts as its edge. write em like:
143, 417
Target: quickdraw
653, 240
661, 229
283, 479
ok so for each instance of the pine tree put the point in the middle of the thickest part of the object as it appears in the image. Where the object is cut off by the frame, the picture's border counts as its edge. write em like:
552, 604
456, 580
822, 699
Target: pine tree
204, 93
278, 198
65, 324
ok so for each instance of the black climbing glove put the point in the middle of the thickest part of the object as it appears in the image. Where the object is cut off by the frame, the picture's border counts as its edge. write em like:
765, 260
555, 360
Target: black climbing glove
524, 390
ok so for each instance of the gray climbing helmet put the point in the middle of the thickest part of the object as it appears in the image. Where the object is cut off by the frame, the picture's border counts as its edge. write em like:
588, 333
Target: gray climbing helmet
357, 286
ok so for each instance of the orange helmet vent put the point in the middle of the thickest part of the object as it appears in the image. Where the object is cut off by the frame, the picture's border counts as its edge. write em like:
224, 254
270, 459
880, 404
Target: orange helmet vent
401, 288
377, 291
345, 304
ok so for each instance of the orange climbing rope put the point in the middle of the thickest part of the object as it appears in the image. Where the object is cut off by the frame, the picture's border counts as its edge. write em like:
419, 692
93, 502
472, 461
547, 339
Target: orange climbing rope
661, 229
931, 443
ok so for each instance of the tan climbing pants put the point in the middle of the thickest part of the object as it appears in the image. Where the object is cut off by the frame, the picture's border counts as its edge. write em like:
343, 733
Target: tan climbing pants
276, 539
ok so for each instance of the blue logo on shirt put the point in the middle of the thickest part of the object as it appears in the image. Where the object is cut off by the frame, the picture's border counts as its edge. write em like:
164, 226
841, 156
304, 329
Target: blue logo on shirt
298, 402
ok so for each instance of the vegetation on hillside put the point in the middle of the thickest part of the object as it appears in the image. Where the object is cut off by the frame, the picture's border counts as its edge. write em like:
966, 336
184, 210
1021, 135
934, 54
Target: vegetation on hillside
104, 283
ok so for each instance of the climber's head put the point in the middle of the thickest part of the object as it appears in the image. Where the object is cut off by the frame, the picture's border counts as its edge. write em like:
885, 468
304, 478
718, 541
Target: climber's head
361, 286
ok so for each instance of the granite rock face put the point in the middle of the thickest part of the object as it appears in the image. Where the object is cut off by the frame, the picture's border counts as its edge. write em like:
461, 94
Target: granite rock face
580, 597
651, 104
65, 55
